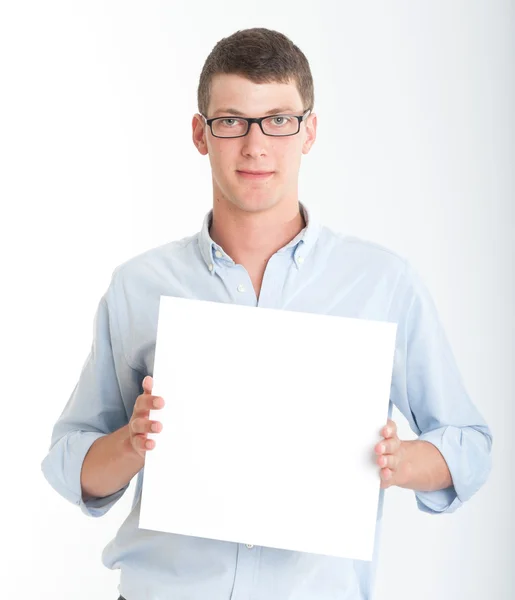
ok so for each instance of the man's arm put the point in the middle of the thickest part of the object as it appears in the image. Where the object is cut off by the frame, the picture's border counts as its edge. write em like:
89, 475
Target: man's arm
109, 465
428, 389
114, 459
93, 412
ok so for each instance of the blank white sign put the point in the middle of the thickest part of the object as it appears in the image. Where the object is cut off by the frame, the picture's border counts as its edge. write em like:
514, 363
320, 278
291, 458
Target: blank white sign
269, 427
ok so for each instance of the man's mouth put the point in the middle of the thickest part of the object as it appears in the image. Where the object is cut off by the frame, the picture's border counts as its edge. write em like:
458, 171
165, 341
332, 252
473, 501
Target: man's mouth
255, 174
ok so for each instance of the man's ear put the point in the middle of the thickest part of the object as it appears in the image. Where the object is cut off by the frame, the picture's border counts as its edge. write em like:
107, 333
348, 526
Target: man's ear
311, 133
199, 134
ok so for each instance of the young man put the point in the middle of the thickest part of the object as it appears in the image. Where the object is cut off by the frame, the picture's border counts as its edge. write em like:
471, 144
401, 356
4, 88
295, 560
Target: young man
258, 246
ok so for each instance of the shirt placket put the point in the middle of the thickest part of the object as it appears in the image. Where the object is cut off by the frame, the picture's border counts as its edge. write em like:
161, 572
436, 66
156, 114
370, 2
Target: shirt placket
239, 284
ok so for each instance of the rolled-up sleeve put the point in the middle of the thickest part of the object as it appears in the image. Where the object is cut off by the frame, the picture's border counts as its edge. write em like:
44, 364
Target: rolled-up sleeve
94, 409
428, 389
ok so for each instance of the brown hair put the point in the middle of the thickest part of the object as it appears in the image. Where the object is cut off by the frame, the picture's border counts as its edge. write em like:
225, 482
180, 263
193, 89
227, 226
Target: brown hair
261, 55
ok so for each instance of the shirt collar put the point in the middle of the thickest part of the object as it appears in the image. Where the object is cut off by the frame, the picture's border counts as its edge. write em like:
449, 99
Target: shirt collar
299, 247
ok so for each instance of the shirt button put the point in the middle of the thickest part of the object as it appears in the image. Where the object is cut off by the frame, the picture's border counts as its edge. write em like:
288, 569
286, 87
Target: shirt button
210, 267
218, 254
249, 546
241, 288
300, 259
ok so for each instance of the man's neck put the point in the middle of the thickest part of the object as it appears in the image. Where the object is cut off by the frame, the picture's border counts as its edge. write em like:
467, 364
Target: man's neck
251, 239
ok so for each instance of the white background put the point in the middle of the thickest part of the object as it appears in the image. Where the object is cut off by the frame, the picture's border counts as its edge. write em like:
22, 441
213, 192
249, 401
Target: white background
415, 150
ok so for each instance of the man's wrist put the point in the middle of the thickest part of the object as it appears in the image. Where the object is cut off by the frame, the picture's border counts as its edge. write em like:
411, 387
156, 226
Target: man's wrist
423, 468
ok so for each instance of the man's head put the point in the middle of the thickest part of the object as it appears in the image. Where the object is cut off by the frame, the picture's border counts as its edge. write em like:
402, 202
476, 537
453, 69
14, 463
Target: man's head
255, 73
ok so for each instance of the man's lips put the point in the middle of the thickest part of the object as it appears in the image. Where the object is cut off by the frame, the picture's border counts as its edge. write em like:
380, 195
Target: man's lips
255, 174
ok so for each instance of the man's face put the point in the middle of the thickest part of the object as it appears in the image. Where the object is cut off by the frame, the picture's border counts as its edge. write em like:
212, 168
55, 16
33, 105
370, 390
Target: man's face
231, 157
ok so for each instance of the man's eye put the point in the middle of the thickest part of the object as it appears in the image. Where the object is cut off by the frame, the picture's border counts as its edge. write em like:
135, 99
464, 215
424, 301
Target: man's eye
280, 120
230, 122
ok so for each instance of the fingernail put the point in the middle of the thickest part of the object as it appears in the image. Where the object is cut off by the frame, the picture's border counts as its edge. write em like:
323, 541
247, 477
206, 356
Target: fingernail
387, 431
155, 427
382, 448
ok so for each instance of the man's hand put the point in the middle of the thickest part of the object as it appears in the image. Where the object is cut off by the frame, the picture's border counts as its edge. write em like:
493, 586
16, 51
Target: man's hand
411, 464
140, 424
392, 458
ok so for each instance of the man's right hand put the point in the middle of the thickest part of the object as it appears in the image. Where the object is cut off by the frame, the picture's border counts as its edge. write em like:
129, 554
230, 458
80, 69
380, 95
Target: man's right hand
140, 424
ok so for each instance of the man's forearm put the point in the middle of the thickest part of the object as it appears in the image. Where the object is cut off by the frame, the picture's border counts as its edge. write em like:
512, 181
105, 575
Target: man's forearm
425, 468
109, 465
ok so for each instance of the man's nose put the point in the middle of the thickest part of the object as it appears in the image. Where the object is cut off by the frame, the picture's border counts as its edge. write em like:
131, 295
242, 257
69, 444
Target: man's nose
255, 141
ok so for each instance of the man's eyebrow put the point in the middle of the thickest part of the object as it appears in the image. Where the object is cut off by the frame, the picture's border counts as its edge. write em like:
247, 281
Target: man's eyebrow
235, 111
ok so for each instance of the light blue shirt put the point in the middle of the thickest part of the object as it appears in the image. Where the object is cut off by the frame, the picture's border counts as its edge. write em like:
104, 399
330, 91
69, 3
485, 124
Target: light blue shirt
320, 272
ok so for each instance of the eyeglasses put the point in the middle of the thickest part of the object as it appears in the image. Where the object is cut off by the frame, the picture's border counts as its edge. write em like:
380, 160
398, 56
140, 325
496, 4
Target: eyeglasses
275, 125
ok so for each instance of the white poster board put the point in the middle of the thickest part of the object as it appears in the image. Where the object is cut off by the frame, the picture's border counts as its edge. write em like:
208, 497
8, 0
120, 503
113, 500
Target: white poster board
269, 427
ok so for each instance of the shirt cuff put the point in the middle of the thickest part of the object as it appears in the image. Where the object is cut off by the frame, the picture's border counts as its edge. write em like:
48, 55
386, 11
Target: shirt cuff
69, 454
97, 507
439, 501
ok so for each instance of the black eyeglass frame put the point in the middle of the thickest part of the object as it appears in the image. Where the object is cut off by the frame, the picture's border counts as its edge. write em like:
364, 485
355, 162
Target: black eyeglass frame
259, 121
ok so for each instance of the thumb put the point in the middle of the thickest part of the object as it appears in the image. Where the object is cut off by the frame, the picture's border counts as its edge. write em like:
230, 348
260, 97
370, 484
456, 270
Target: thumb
148, 382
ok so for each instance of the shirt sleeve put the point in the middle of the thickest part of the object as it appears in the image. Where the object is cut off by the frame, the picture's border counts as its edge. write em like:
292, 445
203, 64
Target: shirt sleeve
94, 409
428, 389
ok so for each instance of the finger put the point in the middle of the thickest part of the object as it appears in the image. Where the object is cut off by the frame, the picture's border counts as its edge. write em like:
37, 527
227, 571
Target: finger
142, 444
147, 402
150, 445
148, 383
390, 430
388, 446
390, 461
386, 474
143, 425
154, 402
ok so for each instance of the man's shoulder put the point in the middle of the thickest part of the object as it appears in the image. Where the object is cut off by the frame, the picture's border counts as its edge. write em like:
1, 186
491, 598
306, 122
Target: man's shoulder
158, 259
365, 252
